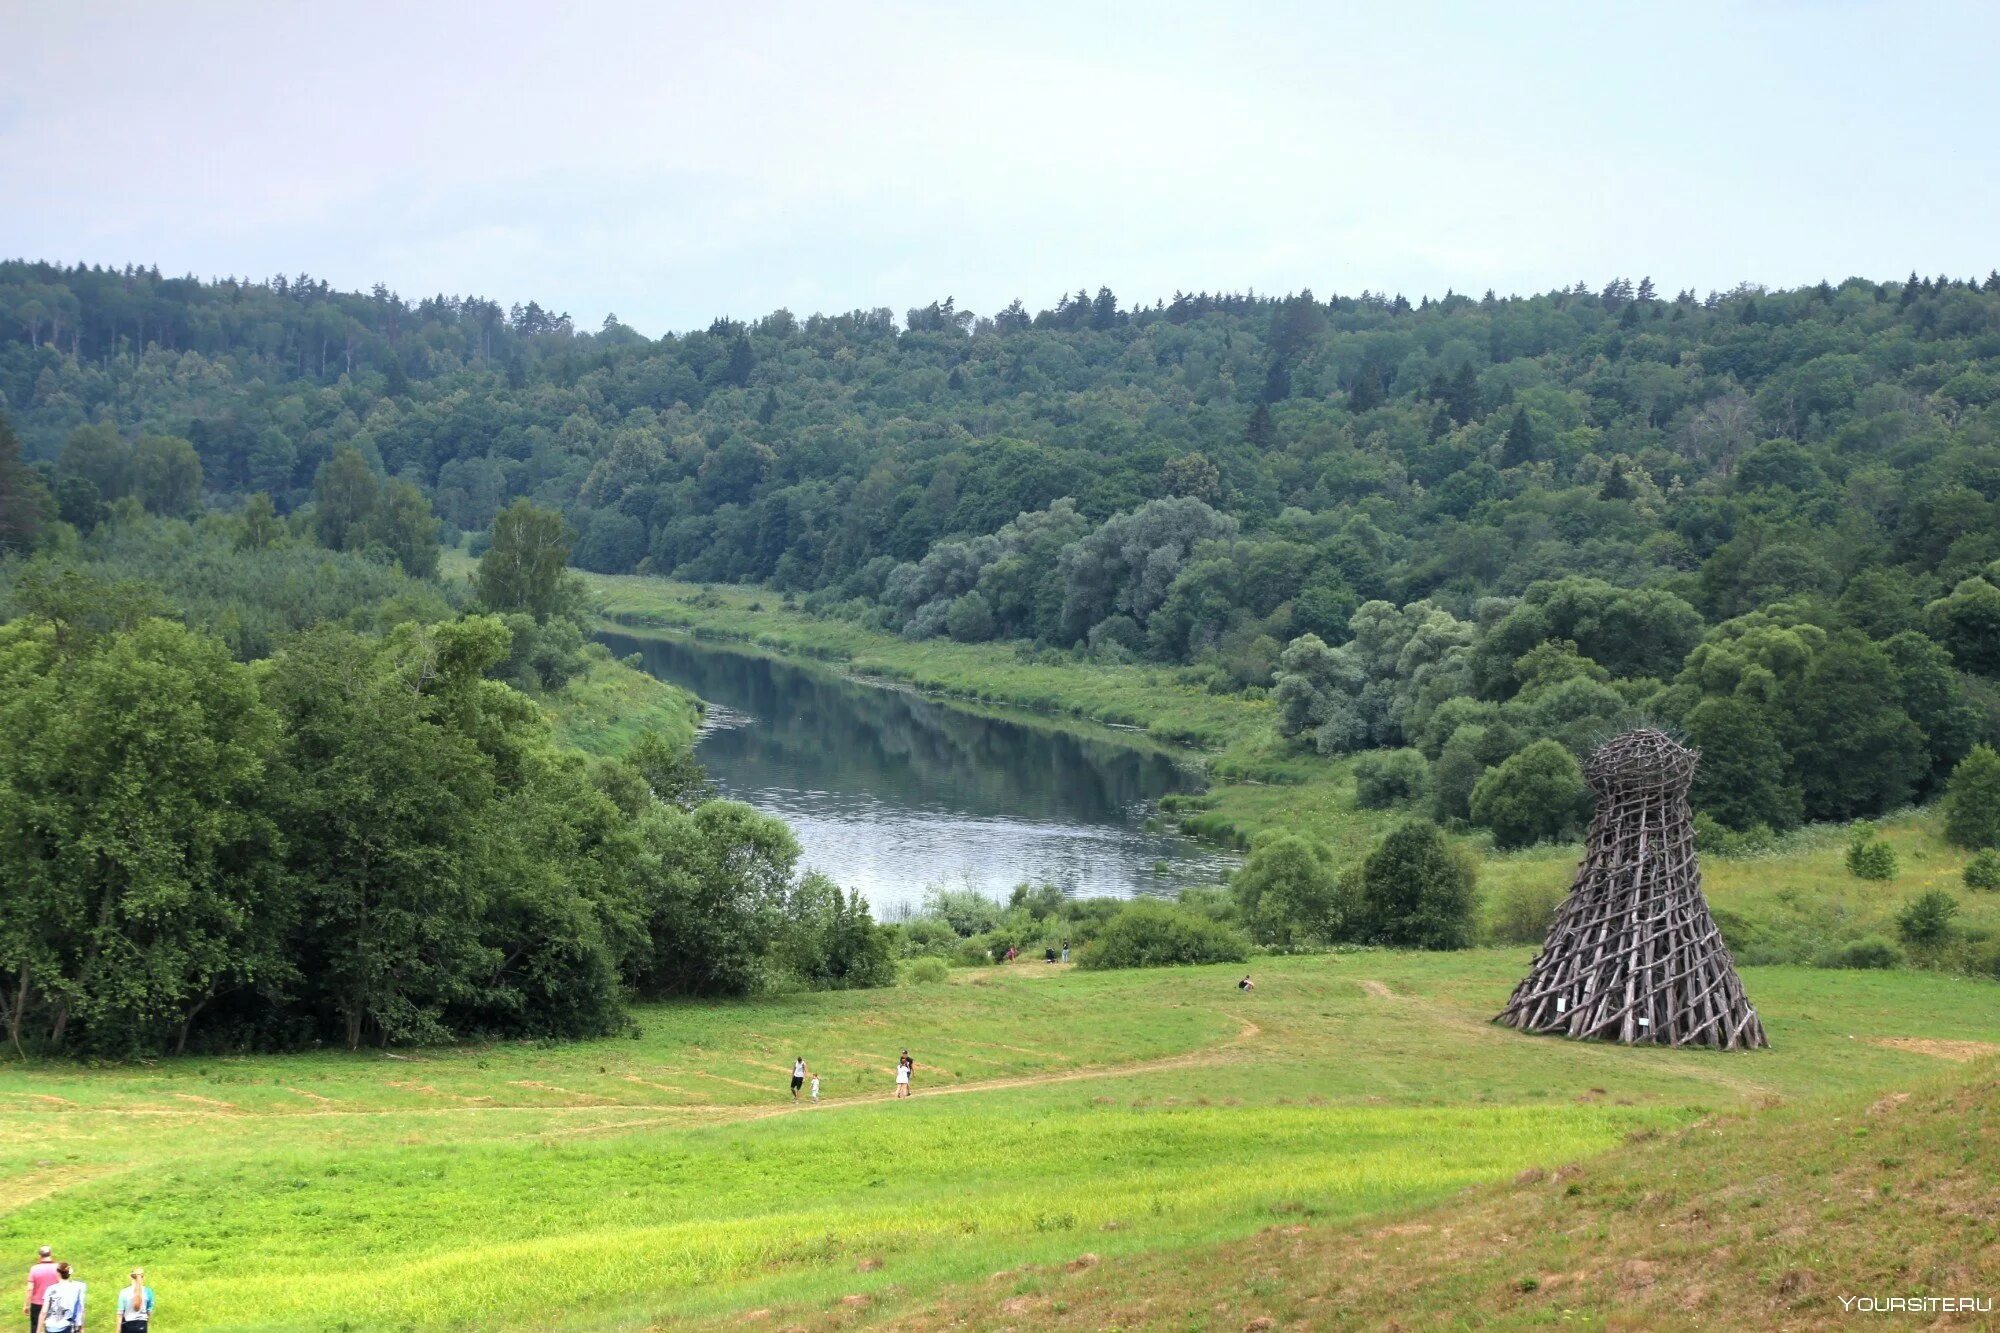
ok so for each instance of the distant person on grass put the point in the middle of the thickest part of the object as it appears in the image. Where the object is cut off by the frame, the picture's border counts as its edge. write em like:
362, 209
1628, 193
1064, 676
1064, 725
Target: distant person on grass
798, 1075
62, 1304
1246, 984
135, 1304
41, 1277
815, 1088
905, 1066
1065, 956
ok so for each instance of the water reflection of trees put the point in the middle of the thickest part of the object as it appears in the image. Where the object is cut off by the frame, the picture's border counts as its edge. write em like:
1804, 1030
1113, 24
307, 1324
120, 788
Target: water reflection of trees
817, 731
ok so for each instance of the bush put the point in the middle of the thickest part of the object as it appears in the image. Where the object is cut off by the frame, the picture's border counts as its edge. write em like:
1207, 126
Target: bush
925, 972
1538, 795
1718, 839
1868, 857
967, 912
831, 942
1871, 952
1155, 934
1983, 871
1288, 892
1416, 890
1926, 923
1523, 911
1972, 800
1383, 778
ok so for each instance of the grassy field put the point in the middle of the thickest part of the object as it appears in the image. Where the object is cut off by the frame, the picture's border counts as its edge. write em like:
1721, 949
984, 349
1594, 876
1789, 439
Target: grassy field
668, 1176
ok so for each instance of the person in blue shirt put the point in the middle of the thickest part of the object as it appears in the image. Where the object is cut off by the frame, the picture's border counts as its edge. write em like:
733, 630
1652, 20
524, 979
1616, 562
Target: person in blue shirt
135, 1304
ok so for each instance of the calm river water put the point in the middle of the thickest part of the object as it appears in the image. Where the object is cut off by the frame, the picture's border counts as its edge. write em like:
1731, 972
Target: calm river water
890, 792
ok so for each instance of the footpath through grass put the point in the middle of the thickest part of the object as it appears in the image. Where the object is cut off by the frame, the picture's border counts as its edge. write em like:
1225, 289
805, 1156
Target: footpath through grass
617, 1183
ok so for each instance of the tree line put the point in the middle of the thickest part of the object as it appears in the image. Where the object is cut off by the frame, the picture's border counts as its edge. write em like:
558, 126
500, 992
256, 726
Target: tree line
365, 834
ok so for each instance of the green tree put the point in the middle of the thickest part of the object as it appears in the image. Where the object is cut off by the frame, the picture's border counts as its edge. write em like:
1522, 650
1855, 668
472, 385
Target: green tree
402, 521
1868, 857
344, 495
1926, 924
1968, 624
1384, 778
1972, 800
1743, 780
523, 570
1538, 795
1854, 748
166, 475
261, 528
1290, 893
24, 501
1983, 870
714, 882
392, 806
100, 456
1416, 890
141, 857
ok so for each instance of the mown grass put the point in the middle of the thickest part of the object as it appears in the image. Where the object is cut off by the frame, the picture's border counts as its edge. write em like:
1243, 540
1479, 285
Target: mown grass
1781, 1217
667, 1175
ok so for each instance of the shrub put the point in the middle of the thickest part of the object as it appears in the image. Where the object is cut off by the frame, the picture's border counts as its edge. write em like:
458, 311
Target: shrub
925, 972
1983, 871
1289, 893
1868, 857
1926, 923
1416, 890
831, 942
927, 937
1383, 778
1155, 934
1870, 952
1972, 800
1523, 911
1535, 796
966, 911
1718, 839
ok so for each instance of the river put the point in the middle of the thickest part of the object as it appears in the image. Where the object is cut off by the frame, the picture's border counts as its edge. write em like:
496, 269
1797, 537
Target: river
892, 792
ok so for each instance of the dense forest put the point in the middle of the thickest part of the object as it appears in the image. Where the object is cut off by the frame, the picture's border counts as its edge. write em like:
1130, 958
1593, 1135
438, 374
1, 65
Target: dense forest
263, 793
1462, 538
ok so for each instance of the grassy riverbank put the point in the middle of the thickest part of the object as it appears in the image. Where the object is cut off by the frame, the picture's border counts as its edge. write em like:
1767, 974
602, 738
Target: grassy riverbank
1256, 784
1794, 903
617, 1183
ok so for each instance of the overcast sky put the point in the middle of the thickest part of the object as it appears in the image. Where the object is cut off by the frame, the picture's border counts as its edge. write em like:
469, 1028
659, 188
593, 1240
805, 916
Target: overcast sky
676, 162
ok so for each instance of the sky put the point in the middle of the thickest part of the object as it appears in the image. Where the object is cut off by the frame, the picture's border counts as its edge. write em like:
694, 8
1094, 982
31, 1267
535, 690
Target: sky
674, 163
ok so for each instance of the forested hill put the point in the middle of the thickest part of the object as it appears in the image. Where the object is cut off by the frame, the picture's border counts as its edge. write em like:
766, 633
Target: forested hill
1462, 446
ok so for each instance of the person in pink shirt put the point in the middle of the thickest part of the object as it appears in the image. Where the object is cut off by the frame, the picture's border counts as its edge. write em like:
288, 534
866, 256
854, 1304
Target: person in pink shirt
40, 1278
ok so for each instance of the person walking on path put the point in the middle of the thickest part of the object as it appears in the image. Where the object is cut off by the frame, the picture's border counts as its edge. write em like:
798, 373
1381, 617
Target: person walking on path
905, 1066
62, 1304
135, 1304
815, 1089
798, 1075
40, 1278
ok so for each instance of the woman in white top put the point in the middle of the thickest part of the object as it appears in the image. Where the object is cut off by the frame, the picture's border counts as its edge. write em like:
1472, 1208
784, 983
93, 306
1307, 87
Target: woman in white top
903, 1077
62, 1305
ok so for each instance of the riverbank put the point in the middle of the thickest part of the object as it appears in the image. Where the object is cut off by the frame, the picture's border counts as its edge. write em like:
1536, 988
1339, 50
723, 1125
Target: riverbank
1256, 785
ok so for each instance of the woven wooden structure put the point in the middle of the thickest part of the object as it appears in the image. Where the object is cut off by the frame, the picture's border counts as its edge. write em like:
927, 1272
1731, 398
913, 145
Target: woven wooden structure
1633, 955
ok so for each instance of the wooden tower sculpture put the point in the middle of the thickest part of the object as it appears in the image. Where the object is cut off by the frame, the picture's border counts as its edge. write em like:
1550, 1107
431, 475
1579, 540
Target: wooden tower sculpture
1633, 955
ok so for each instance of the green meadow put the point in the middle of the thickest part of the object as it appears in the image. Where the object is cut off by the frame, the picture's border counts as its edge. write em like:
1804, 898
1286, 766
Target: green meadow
668, 1175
